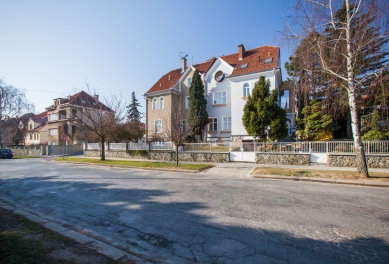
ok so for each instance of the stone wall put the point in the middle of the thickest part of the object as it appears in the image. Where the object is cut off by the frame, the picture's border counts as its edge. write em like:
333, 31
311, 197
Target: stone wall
163, 155
349, 160
282, 159
27, 150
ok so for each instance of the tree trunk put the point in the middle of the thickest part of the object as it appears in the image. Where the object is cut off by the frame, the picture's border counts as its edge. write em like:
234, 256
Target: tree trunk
359, 152
102, 148
177, 155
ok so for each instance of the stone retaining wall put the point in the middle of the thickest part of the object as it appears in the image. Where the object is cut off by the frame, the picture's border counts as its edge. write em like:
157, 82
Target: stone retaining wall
163, 155
282, 159
349, 160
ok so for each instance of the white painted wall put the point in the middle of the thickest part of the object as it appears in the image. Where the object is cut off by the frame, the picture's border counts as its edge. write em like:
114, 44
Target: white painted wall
238, 101
213, 86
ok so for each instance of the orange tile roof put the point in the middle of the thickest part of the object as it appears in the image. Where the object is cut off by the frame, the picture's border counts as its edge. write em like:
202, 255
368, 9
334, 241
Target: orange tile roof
254, 57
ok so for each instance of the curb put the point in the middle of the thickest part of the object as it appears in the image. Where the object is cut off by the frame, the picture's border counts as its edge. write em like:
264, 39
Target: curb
131, 167
96, 245
323, 180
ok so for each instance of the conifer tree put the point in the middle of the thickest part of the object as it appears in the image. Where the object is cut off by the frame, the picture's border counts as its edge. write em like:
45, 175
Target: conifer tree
198, 115
262, 117
133, 113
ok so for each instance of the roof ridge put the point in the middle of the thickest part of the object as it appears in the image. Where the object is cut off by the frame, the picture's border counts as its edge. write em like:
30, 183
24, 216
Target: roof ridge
249, 50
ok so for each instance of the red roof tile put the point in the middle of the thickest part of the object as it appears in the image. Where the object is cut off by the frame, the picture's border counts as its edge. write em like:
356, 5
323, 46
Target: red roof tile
254, 57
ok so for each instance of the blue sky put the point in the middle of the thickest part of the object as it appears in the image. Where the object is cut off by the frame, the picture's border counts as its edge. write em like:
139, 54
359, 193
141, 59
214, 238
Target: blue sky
52, 48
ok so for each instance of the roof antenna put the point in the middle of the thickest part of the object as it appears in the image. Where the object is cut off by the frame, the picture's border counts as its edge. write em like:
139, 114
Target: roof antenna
181, 55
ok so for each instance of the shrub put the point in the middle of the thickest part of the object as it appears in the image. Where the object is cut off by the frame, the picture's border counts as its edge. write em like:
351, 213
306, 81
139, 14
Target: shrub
373, 135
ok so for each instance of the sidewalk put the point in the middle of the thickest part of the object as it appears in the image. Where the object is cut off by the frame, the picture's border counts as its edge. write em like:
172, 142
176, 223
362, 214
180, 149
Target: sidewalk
245, 169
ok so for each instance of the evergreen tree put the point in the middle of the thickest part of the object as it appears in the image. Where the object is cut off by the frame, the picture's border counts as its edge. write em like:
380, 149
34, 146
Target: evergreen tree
133, 113
262, 117
313, 124
198, 115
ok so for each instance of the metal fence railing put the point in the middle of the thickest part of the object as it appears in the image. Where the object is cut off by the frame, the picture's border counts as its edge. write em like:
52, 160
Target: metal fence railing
159, 145
207, 147
370, 147
117, 146
137, 146
92, 146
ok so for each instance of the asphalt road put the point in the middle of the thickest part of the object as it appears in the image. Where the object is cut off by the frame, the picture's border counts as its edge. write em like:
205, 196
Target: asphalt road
170, 217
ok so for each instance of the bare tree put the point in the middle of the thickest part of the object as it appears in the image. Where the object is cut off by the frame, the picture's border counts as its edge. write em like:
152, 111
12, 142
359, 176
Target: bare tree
101, 117
339, 42
13, 102
175, 123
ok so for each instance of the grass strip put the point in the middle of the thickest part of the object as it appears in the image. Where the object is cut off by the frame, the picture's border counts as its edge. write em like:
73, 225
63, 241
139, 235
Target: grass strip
141, 164
23, 241
333, 174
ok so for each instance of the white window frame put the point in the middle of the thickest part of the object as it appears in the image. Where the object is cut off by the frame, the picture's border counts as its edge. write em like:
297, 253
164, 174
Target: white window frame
161, 102
189, 81
53, 117
154, 103
226, 121
223, 95
246, 89
287, 100
209, 124
53, 132
186, 102
156, 126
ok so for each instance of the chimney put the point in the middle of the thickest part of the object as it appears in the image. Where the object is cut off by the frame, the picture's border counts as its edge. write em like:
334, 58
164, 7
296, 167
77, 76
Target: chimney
241, 51
183, 64
96, 96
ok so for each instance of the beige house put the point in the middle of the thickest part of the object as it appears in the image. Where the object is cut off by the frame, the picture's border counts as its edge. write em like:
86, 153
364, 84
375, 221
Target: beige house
167, 102
37, 131
64, 115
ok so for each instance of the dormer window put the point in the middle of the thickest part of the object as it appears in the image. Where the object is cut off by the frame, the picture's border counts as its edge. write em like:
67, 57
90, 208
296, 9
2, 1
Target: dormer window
268, 60
244, 65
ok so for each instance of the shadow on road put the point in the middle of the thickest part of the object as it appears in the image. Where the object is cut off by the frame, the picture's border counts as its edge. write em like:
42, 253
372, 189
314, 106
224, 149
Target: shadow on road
146, 223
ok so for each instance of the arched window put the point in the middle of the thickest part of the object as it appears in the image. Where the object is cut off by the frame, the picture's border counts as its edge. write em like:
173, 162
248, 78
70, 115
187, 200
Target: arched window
246, 90
161, 103
154, 104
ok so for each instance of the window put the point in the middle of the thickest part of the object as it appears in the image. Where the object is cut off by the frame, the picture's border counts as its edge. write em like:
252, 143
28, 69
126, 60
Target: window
227, 123
161, 102
244, 65
30, 136
284, 99
268, 60
246, 90
219, 76
53, 117
186, 102
189, 80
154, 104
212, 125
220, 97
30, 126
158, 126
53, 132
